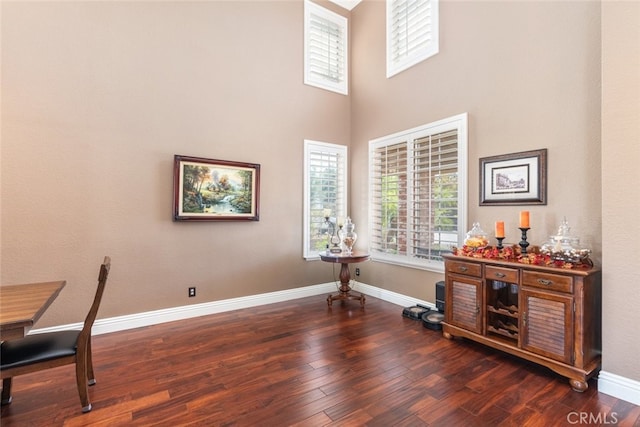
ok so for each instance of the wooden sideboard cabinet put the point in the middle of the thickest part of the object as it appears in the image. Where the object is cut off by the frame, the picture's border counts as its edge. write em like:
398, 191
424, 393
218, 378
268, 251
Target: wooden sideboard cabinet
550, 316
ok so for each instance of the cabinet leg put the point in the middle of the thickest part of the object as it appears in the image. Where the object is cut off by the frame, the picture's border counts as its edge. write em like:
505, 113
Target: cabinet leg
578, 385
447, 335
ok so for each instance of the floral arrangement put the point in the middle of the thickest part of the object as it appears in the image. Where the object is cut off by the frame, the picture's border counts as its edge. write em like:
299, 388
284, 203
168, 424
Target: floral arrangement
514, 254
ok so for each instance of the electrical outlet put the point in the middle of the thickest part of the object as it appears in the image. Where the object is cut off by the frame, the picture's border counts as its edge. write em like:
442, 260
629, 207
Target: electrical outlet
192, 292
357, 271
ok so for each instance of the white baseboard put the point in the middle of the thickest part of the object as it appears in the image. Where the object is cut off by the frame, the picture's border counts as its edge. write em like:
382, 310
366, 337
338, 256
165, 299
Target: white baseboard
138, 320
608, 383
390, 296
619, 387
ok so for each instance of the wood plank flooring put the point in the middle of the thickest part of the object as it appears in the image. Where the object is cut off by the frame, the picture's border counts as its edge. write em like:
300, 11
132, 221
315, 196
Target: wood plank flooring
301, 363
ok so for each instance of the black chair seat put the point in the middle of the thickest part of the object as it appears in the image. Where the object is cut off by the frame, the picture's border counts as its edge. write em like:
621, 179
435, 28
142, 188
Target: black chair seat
38, 352
38, 348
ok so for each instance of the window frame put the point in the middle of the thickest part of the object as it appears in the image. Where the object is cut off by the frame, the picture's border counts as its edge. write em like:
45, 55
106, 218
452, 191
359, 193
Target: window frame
313, 79
458, 122
340, 211
431, 48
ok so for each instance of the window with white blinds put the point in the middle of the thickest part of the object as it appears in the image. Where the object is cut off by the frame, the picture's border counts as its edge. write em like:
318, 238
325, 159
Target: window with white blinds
325, 49
418, 193
325, 192
412, 33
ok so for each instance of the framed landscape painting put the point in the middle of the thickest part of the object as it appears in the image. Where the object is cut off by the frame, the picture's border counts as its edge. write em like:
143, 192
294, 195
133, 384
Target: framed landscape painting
514, 179
215, 190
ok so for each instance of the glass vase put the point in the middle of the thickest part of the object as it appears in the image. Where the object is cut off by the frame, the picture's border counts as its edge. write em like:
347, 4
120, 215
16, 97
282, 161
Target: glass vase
348, 236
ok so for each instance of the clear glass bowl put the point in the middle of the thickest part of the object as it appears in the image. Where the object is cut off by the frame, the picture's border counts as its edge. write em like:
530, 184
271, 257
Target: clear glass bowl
476, 237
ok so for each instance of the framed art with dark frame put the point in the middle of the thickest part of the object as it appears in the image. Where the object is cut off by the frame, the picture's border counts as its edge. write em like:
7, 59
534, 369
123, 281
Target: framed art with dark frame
215, 190
514, 179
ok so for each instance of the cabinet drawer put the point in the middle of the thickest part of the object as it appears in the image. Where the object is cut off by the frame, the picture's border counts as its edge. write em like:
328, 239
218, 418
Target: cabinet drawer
466, 268
553, 282
500, 273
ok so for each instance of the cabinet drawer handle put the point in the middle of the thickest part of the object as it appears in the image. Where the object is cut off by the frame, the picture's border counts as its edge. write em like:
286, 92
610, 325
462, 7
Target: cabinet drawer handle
545, 282
501, 275
462, 268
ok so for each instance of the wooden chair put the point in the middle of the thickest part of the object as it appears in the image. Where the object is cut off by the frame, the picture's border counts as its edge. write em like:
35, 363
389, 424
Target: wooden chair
48, 350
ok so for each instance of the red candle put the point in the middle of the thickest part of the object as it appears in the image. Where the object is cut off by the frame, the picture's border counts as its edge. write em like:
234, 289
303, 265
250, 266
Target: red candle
500, 229
524, 219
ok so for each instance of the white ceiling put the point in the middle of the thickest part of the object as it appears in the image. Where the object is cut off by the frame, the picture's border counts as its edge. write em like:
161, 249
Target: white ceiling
347, 4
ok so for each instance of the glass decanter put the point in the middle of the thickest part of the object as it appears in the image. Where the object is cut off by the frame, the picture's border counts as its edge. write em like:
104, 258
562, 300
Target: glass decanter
348, 236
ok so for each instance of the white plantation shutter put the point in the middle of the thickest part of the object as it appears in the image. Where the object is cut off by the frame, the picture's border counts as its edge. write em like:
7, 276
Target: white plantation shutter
389, 198
412, 33
418, 193
434, 215
325, 188
325, 49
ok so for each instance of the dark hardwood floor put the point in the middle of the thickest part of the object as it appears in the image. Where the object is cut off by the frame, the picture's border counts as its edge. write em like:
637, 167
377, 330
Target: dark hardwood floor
303, 363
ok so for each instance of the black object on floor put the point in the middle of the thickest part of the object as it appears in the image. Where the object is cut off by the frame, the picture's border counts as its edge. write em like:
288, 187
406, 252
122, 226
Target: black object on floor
432, 320
415, 312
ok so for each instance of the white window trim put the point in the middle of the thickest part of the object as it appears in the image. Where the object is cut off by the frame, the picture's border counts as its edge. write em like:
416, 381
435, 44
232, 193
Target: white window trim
459, 122
315, 80
431, 49
309, 146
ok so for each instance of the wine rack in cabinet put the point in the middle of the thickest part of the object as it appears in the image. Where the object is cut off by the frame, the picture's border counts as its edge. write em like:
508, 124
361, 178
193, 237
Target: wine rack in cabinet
547, 315
502, 304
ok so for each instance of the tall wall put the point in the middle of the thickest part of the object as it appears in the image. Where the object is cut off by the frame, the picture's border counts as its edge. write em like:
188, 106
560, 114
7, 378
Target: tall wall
527, 74
97, 97
620, 195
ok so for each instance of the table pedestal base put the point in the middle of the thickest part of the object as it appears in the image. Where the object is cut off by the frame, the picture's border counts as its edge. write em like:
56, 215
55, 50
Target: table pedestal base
345, 290
345, 295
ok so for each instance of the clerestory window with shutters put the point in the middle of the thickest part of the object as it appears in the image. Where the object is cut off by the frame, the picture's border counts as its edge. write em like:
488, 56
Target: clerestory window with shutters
325, 194
412, 33
418, 193
325, 49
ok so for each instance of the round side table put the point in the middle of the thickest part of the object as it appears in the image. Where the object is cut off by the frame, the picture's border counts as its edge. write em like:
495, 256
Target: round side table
345, 291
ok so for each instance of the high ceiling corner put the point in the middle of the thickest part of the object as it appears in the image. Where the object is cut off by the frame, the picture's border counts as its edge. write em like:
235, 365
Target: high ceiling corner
347, 4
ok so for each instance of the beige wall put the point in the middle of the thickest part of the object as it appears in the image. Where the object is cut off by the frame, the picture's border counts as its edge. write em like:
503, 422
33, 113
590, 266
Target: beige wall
621, 195
97, 97
528, 75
